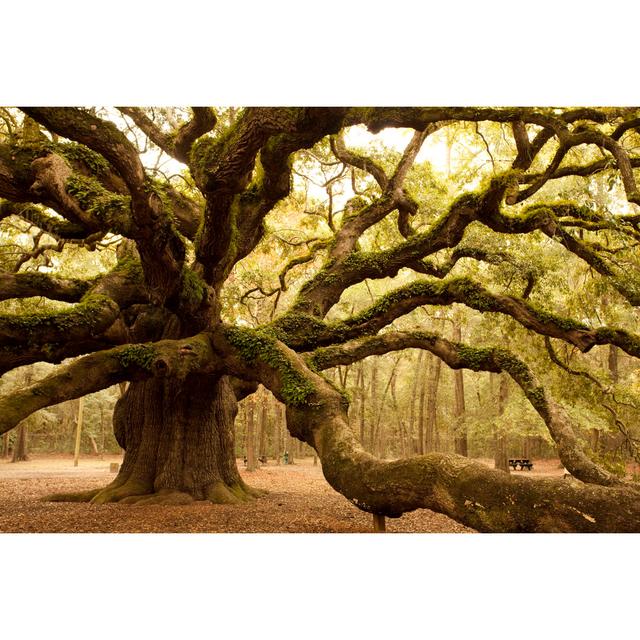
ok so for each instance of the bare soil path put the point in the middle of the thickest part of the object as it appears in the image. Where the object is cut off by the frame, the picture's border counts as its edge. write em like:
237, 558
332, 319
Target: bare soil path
299, 501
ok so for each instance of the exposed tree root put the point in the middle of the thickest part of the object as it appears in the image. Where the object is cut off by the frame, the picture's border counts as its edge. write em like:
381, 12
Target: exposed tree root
79, 496
119, 490
164, 497
140, 493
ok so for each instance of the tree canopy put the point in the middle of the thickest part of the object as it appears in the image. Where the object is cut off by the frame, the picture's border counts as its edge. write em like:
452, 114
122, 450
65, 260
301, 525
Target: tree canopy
236, 247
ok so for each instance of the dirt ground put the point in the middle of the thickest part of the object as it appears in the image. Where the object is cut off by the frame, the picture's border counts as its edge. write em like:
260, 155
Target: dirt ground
299, 501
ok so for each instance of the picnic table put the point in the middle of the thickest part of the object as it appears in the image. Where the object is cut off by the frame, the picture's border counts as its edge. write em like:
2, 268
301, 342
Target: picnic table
522, 463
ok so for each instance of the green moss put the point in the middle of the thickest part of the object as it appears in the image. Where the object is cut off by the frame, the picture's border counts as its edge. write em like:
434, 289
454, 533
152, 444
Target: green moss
139, 355
626, 341
373, 263
566, 324
321, 358
606, 334
260, 344
96, 200
193, 288
293, 327
538, 399
87, 314
413, 291
44, 282
20, 157
204, 154
131, 268
475, 358
160, 190
513, 365
37, 280
472, 294
471, 200
75, 152
344, 394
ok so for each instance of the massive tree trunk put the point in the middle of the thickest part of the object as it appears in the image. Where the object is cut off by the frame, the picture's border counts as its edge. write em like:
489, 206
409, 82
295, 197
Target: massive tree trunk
179, 444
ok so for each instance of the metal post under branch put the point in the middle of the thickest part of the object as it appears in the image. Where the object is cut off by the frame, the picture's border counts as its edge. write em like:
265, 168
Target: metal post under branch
379, 525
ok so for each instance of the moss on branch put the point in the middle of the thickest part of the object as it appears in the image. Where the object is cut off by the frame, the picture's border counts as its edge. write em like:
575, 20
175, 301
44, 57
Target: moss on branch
75, 152
193, 289
139, 355
109, 208
92, 315
261, 345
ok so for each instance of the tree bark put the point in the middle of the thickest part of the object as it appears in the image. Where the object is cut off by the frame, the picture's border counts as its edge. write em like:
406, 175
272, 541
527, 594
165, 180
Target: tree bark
103, 433
262, 424
421, 403
432, 397
179, 444
20, 445
250, 439
374, 405
500, 456
290, 448
402, 435
414, 395
278, 430
361, 396
379, 436
613, 363
460, 437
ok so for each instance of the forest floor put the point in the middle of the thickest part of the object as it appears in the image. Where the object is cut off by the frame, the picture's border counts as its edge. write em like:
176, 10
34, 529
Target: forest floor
299, 501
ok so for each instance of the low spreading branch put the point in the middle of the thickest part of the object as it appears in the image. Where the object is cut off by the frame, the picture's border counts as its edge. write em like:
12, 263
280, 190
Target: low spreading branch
91, 373
26, 285
306, 332
469, 492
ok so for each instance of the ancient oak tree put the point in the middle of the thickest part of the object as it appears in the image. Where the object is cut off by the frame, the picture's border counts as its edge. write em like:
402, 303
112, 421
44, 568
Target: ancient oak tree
161, 317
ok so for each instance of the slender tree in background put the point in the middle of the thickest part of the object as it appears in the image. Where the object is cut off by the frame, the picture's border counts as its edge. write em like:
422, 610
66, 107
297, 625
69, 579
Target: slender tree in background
460, 427
79, 421
20, 453
20, 445
415, 377
163, 315
250, 444
262, 424
501, 455
279, 425
432, 399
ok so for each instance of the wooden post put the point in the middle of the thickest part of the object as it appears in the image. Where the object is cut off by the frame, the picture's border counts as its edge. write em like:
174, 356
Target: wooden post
76, 454
379, 523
